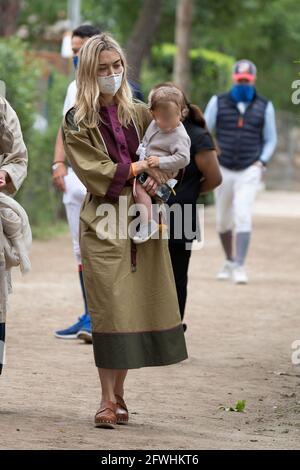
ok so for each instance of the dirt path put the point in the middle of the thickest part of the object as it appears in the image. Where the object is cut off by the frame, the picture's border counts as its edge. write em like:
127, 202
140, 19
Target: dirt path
239, 341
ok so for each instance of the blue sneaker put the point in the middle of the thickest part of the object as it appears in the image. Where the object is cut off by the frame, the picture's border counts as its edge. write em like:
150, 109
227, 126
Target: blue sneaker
72, 331
85, 333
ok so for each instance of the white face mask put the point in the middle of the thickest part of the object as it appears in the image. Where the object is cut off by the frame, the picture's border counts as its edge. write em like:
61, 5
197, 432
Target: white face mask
111, 84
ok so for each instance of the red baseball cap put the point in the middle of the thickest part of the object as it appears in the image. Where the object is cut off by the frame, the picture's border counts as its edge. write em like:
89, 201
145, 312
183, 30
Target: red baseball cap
244, 69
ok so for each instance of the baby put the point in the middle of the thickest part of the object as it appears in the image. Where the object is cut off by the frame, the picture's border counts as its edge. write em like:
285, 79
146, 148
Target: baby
166, 145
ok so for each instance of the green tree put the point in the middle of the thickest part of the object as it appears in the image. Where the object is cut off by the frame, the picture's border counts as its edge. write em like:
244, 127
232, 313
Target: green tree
24, 89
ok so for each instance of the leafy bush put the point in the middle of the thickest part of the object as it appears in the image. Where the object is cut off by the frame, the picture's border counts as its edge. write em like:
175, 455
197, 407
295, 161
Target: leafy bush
38, 195
20, 74
27, 90
210, 71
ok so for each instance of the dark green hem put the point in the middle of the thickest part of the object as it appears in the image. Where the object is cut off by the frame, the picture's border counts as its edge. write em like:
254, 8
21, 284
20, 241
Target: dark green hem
143, 349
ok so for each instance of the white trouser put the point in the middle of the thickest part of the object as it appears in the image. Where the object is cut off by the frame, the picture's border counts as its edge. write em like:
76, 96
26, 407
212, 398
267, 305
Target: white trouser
72, 199
235, 198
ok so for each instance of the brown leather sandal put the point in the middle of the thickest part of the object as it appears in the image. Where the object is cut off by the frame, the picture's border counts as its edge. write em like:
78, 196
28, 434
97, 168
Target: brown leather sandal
122, 411
106, 415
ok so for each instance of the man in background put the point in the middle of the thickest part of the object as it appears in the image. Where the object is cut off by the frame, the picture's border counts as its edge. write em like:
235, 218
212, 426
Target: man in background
246, 134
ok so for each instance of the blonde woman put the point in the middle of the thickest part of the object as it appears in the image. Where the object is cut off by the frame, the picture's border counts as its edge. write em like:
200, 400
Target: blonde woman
130, 290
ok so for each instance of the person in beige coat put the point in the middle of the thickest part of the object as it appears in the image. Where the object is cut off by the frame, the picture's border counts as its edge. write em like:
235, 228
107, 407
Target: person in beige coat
13, 152
131, 291
13, 171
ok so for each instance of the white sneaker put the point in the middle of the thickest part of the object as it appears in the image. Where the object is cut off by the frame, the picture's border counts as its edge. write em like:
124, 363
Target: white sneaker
239, 275
146, 232
225, 272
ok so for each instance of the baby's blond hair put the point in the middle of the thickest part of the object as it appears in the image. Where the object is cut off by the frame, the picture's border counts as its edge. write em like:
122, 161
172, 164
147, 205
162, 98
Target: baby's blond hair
164, 95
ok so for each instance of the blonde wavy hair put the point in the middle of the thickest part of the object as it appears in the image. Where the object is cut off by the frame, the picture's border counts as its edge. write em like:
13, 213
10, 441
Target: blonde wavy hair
88, 97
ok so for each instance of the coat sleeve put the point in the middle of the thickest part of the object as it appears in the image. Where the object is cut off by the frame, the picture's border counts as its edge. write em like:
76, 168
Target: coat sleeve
96, 170
6, 135
12, 149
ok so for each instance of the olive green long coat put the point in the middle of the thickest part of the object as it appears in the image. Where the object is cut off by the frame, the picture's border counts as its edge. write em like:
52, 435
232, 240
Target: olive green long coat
135, 314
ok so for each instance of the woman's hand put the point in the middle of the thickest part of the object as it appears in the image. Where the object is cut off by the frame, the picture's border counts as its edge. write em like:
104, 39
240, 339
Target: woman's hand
155, 178
160, 176
58, 177
150, 186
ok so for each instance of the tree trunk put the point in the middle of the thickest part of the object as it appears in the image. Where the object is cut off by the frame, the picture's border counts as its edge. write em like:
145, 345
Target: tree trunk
139, 44
9, 11
181, 73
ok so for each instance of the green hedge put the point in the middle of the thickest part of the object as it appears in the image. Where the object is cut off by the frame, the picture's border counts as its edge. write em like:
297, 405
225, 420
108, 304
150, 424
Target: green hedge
20, 75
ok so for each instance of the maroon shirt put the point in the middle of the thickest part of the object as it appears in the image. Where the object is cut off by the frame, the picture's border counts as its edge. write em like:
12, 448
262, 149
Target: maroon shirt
121, 145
